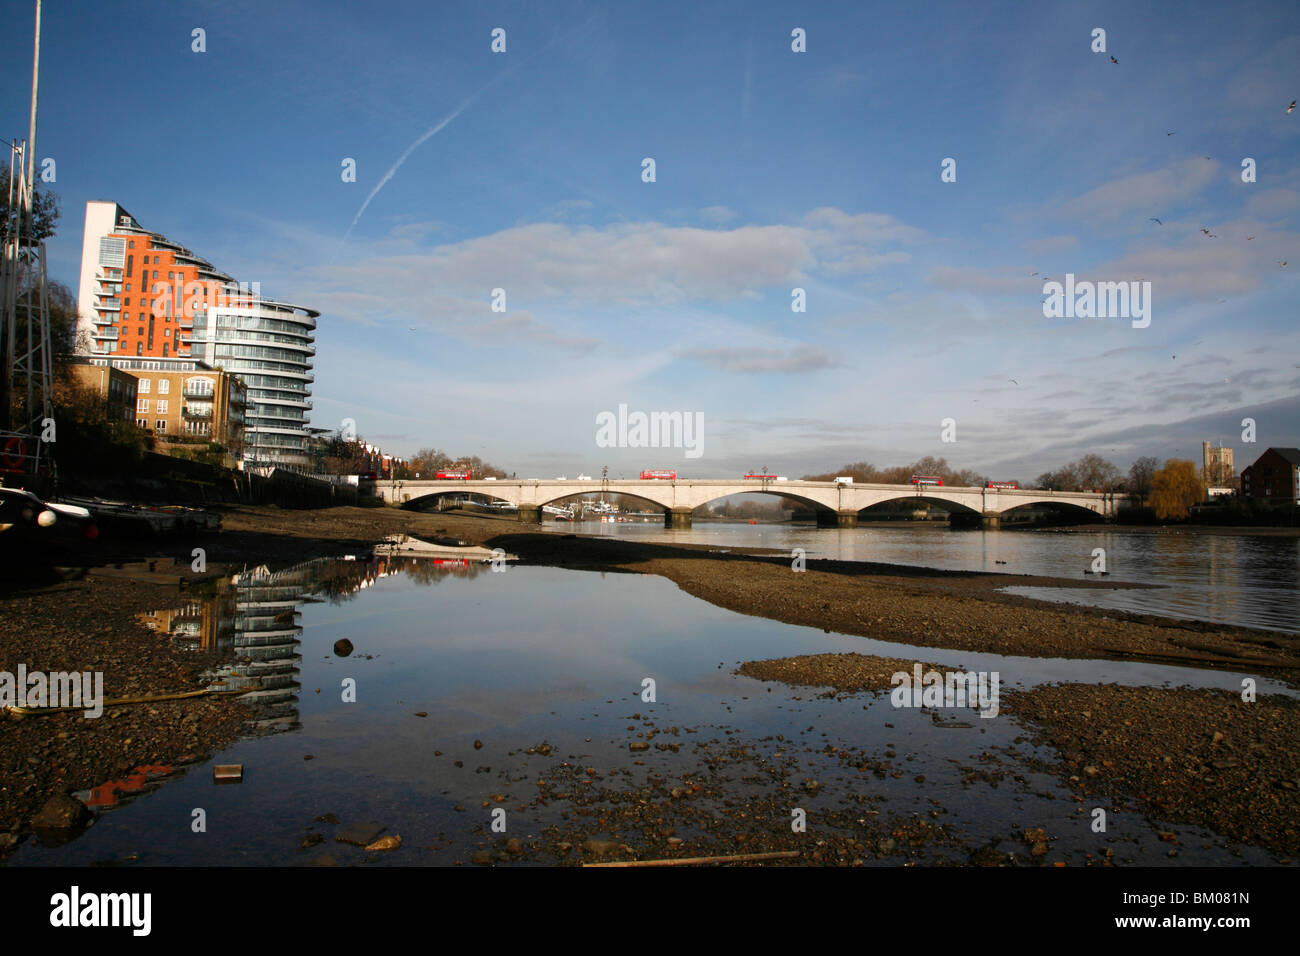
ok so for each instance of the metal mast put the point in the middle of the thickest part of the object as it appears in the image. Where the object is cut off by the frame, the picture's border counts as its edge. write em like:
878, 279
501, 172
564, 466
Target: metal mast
26, 367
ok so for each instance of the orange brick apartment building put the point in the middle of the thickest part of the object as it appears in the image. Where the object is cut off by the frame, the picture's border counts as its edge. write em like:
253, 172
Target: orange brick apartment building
147, 304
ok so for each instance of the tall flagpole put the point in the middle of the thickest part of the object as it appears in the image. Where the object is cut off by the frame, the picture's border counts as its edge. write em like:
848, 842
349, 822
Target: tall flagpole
31, 130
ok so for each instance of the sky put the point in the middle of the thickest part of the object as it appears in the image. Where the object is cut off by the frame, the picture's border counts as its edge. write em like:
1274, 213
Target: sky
924, 330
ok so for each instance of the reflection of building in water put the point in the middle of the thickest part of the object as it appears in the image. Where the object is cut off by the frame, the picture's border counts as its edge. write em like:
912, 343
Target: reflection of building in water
266, 639
201, 625
252, 624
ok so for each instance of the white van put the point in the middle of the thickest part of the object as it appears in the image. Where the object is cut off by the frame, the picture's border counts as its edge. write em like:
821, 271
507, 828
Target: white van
844, 480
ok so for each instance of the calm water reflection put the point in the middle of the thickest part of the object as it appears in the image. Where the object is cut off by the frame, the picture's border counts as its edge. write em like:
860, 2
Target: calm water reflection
527, 656
1247, 580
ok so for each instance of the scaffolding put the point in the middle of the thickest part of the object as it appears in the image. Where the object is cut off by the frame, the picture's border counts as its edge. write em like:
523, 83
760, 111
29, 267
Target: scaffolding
26, 359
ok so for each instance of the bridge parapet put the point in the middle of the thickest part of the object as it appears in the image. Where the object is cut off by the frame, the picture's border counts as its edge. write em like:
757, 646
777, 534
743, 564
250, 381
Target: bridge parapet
683, 495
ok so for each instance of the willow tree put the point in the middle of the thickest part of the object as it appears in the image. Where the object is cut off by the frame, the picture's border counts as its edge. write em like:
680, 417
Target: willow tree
1175, 488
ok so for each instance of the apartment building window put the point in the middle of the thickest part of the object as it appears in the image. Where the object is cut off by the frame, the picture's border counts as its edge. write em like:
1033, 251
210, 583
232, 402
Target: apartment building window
142, 422
128, 264
130, 243
160, 425
144, 385
139, 348
162, 406
166, 346
164, 386
142, 406
126, 303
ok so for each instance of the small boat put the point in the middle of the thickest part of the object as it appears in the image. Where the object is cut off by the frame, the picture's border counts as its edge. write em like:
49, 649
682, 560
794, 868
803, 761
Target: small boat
407, 546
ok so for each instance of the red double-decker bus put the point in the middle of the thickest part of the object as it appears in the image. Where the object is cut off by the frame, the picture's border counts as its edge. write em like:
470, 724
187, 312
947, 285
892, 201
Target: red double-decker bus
1013, 485
455, 474
658, 476
926, 480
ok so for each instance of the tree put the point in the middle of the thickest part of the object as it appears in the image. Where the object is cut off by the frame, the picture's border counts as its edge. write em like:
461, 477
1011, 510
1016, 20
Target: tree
1140, 474
1095, 472
1088, 473
45, 209
1175, 488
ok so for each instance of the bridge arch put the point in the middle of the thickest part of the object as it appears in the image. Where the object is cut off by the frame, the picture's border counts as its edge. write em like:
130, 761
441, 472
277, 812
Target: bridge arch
412, 501
933, 498
811, 503
1062, 505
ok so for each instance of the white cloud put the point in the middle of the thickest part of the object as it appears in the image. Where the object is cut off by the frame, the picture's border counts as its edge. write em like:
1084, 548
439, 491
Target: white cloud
1142, 194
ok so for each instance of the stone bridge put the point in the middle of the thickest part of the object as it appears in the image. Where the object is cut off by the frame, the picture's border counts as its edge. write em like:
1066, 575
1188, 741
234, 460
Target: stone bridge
835, 504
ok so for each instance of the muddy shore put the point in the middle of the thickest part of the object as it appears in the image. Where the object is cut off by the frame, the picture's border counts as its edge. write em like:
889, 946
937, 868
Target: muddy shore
89, 622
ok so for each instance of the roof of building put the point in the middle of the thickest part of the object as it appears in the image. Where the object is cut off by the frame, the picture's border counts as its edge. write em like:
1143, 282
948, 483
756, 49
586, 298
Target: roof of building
1290, 454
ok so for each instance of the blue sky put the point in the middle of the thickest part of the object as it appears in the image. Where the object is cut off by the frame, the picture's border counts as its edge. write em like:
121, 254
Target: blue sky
774, 170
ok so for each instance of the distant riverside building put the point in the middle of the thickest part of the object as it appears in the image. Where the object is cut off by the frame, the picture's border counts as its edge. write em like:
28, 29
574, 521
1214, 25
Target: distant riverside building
145, 299
1275, 476
1216, 465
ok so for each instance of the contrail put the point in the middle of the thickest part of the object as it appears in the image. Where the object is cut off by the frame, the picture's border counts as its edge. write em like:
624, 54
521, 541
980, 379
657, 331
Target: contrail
433, 131
427, 135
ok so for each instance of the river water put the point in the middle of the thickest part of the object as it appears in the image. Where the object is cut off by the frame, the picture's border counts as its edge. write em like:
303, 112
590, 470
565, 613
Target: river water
502, 662
1249, 580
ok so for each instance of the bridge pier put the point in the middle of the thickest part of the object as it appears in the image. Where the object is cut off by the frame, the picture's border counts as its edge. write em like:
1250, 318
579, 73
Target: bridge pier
677, 518
837, 519
990, 522
530, 514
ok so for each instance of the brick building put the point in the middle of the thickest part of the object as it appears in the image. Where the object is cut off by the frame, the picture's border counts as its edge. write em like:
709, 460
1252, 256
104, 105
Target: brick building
146, 299
116, 387
198, 403
1275, 476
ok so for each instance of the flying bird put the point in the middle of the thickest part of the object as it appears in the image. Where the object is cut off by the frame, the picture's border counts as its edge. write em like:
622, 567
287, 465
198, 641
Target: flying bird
1113, 60
1248, 238
1170, 132
1156, 221
1210, 234
1291, 107
1282, 263
1013, 381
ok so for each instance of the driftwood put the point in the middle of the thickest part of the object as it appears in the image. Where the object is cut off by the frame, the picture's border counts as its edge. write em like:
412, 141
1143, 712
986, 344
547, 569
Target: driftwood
698, 860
